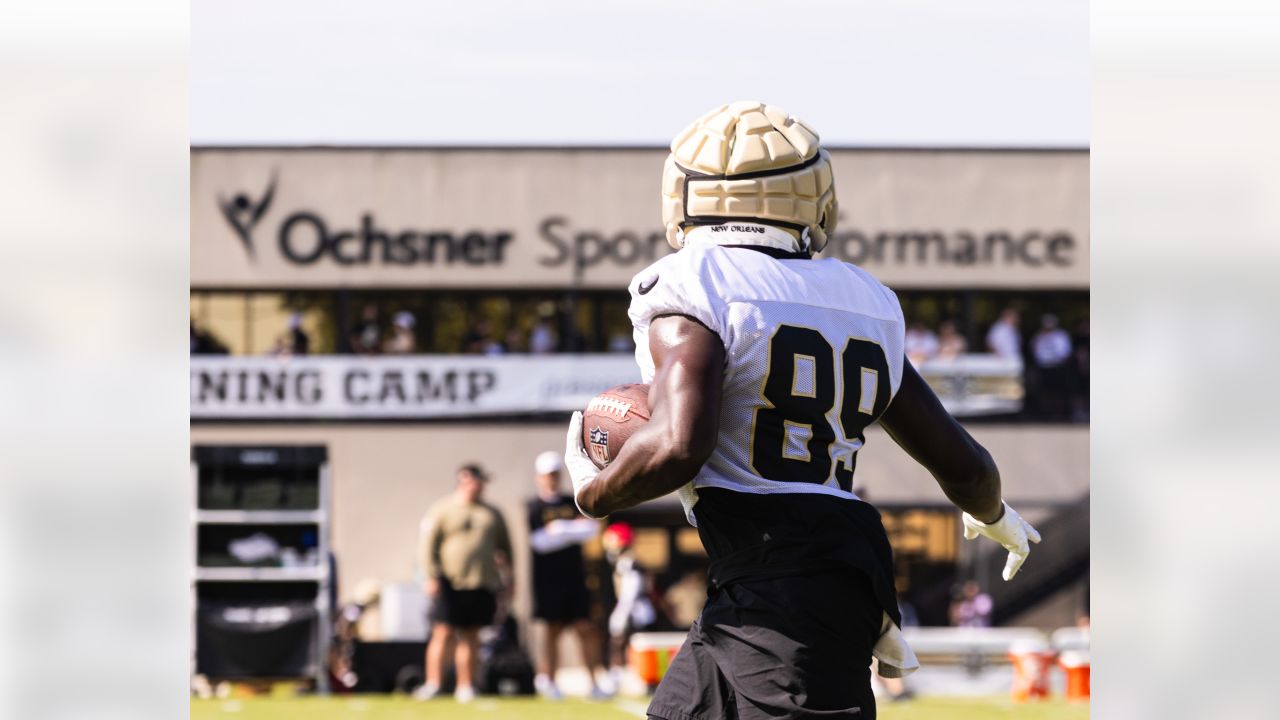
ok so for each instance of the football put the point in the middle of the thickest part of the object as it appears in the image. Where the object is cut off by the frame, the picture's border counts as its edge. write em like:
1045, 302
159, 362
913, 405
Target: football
611, 418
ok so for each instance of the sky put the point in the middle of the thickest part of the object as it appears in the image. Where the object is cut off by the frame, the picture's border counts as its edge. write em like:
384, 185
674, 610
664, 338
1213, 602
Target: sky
927, 73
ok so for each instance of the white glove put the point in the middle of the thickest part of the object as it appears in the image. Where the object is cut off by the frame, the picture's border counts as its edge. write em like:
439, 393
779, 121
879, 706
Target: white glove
580, 468
1011, 531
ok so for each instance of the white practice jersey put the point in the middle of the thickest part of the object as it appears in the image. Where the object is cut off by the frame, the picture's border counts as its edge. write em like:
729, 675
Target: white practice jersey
814, 352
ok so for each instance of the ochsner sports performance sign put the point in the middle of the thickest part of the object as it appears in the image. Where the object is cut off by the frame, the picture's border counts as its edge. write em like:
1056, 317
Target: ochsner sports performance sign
424, 386
547, 218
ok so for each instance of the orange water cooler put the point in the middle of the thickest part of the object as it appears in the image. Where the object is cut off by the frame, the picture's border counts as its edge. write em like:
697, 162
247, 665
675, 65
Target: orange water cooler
650, 654
1032, 661
1075, 664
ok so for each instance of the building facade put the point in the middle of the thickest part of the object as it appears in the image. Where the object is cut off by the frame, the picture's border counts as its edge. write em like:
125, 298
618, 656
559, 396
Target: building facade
526, 253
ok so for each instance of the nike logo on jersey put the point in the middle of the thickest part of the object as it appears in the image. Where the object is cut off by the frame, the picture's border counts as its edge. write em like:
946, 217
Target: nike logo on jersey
644, 287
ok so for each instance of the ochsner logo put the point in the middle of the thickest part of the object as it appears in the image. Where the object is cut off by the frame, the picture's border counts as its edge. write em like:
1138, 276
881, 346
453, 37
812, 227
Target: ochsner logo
304, 237
243, 213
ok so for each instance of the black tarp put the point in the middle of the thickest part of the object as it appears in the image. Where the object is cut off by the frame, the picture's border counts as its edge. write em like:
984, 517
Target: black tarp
241, 641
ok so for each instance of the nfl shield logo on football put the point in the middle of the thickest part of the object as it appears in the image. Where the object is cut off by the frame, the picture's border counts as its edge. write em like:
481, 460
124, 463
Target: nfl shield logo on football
599, 441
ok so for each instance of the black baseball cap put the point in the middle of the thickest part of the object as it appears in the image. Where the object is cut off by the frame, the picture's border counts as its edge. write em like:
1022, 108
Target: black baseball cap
475, 471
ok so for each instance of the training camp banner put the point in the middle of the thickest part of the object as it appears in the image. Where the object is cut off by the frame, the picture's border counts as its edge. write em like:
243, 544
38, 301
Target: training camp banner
410, 387
456, 386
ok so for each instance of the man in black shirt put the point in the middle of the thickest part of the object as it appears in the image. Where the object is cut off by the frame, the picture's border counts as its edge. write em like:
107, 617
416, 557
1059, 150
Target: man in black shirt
365, 337
299, 341
560, 597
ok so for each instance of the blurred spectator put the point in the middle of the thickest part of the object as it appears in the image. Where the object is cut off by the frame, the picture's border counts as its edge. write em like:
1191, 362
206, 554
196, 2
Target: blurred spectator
560, 596
204, 343
365, 335
299, 341
634, 611
542, 339
1080, 396
514, 342
971, 607
465, 551
572, 340
621, 343
480, 340
475, 338
921, 344
686, 597
281, 346
293, 341
346, 633
1003, 338
1051, 350
402, 340
951, 344
902, 585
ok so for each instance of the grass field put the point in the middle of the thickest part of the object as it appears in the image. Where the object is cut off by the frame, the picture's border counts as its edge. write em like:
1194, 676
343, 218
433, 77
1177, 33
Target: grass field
399, 708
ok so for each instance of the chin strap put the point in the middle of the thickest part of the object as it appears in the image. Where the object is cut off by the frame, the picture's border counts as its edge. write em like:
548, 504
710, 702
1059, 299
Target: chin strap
742, 233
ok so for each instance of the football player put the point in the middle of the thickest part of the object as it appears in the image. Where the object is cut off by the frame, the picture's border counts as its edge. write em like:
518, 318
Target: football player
765, 367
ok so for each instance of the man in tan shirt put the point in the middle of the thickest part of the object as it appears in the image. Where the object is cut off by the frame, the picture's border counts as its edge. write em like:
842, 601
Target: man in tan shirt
464, 548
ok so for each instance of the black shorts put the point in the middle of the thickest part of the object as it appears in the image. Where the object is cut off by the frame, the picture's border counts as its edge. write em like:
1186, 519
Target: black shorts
561, 603
463, 608
789, 647
800, 584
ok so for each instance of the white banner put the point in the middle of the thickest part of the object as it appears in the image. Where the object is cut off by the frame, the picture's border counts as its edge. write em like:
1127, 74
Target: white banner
976, 384
410, 387
442, 386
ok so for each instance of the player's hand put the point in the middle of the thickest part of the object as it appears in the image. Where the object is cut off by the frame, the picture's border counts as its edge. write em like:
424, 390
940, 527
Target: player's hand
1011, 531
432, 586
580, 468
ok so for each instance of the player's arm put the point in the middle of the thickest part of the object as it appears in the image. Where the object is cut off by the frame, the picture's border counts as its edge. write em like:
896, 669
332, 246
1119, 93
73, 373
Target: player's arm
430, 538
684, 402
963, 468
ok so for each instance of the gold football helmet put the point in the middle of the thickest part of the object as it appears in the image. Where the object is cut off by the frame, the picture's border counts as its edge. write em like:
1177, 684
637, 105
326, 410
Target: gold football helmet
753, 162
